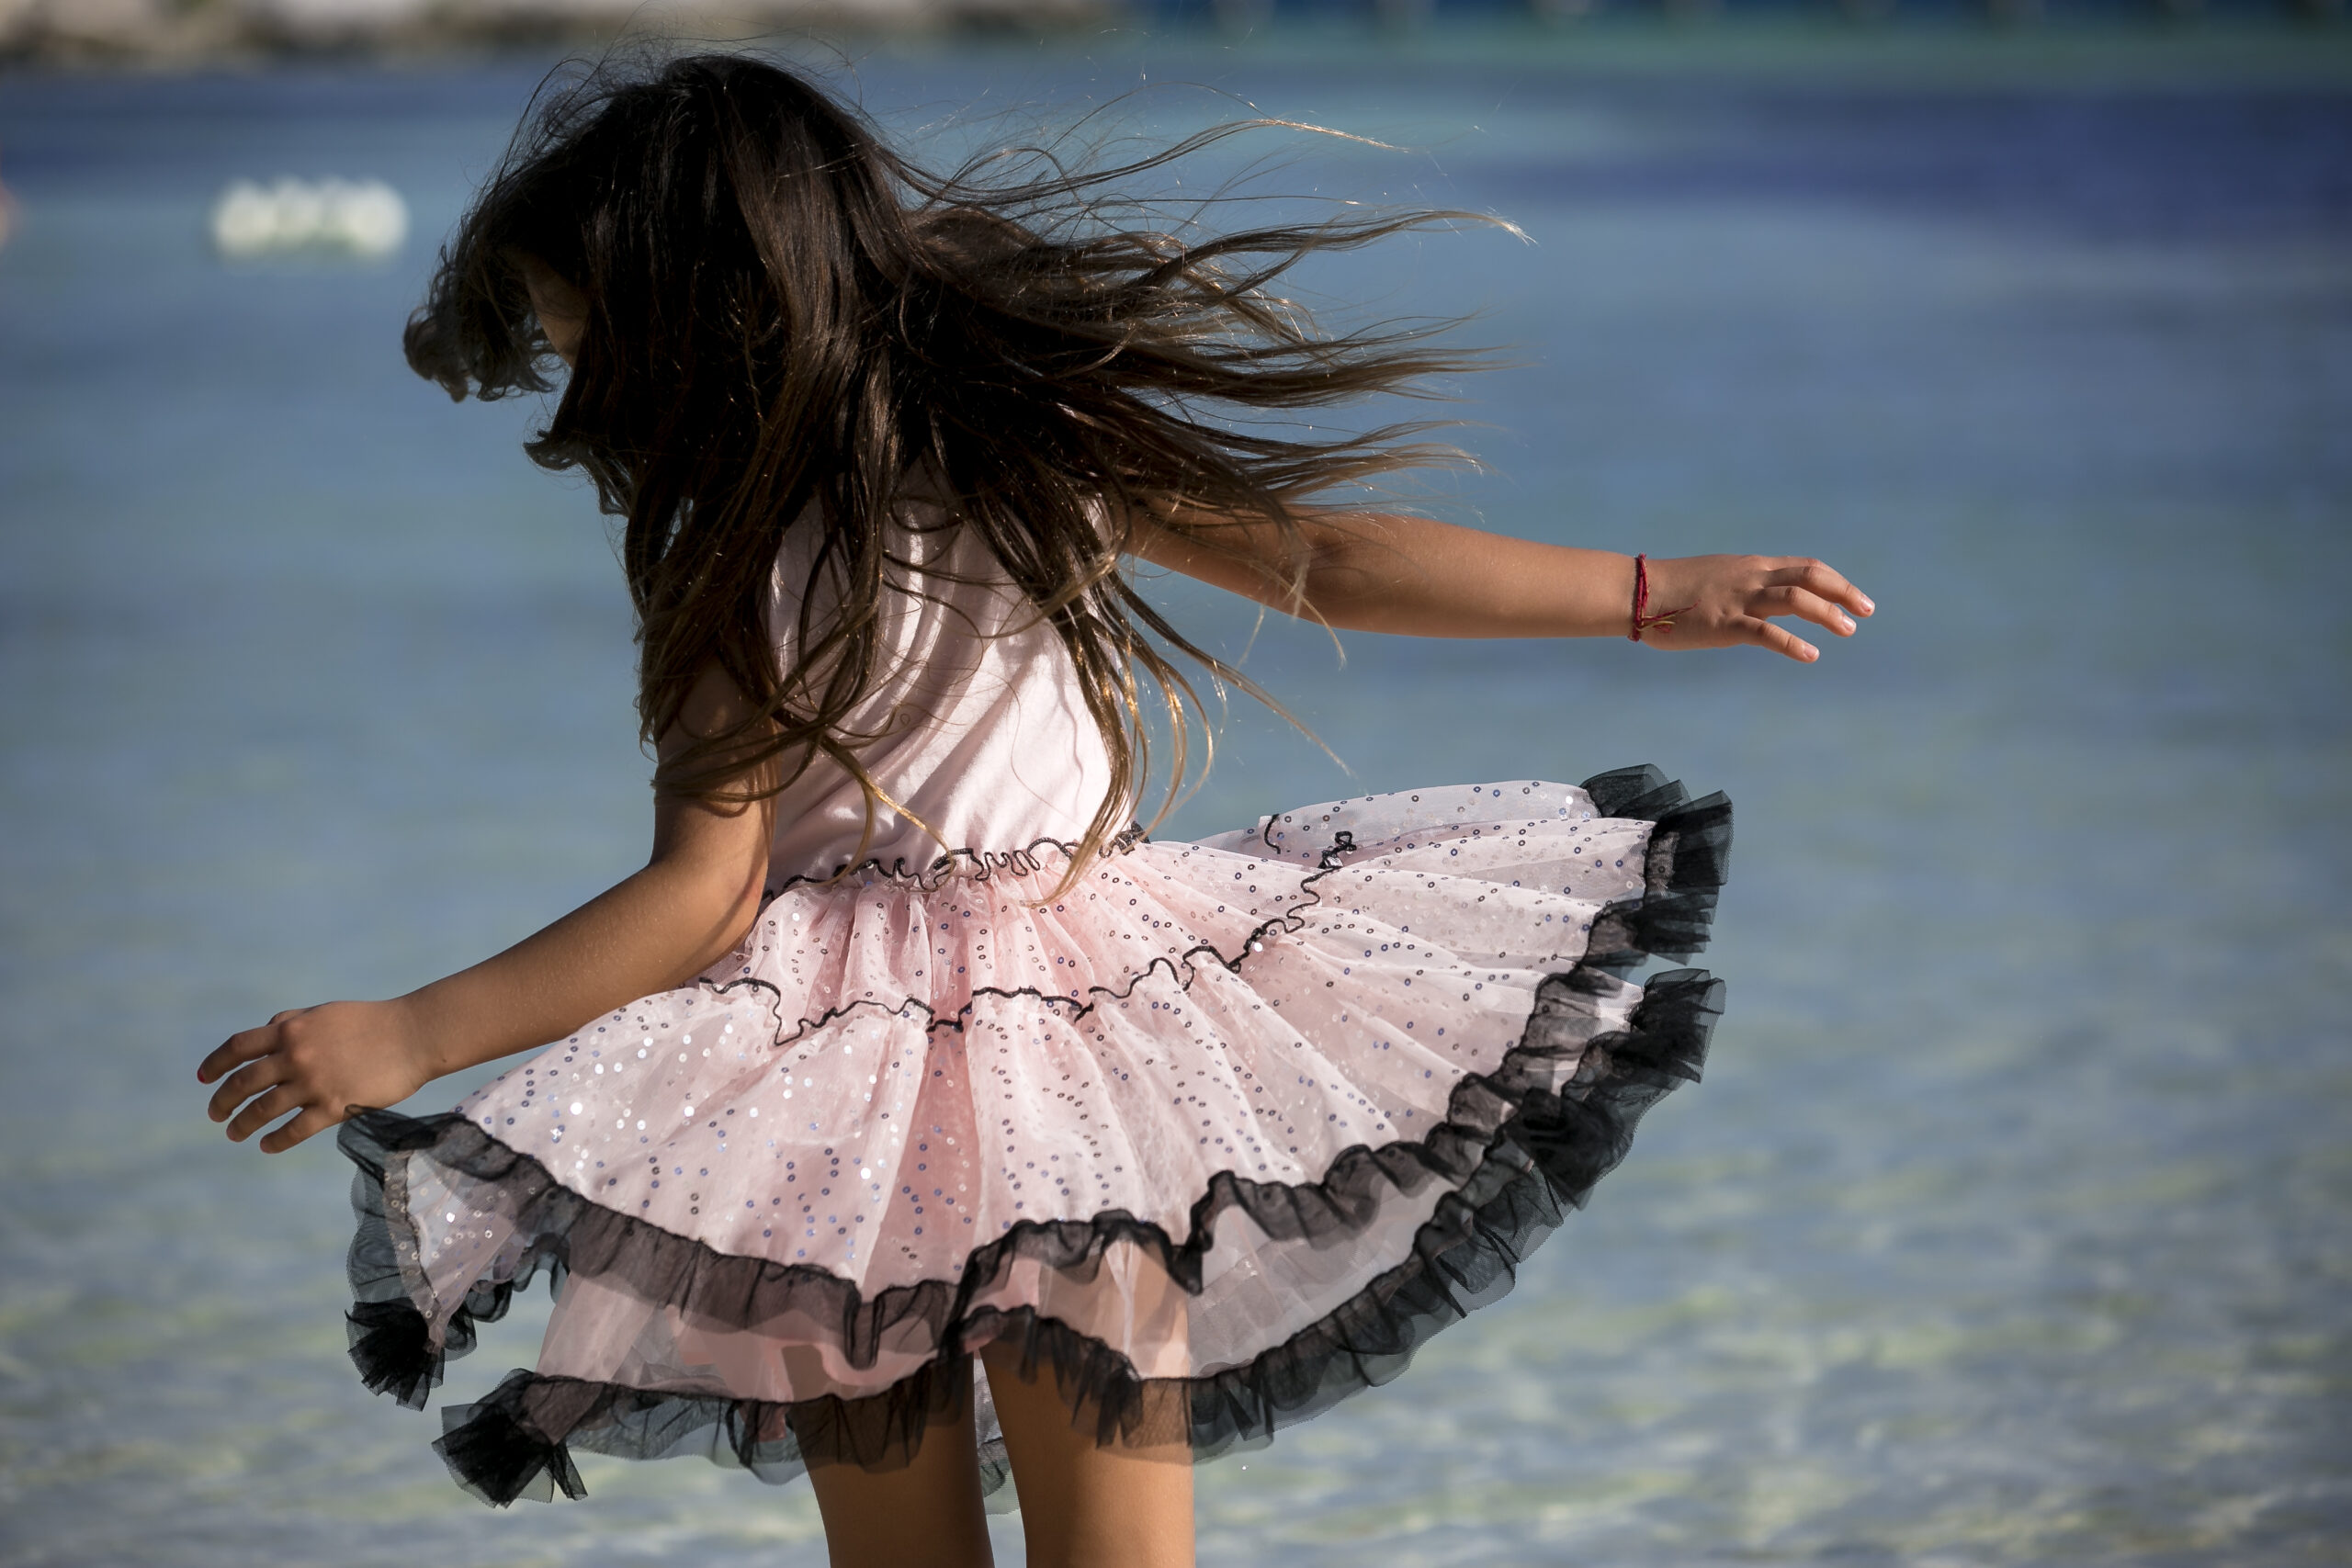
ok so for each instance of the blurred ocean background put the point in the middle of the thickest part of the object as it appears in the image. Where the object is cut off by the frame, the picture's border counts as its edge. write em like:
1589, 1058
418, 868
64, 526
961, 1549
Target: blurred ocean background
2013, 1223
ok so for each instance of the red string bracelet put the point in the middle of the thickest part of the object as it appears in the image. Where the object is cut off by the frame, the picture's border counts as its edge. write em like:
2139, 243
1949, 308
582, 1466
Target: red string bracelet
1643, 619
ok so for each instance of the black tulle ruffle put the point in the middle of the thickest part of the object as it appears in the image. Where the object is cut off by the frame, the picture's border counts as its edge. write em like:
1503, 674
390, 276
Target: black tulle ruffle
1516, 1153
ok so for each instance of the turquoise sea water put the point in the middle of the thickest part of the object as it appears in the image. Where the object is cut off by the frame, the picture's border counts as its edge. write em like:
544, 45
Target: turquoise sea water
2011, 1225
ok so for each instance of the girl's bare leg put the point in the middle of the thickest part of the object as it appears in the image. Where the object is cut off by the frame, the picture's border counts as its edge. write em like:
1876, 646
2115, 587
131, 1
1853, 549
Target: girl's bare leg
926, 1513
1084, 1506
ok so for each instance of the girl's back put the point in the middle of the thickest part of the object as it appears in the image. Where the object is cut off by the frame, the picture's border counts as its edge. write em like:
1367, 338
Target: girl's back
973, 734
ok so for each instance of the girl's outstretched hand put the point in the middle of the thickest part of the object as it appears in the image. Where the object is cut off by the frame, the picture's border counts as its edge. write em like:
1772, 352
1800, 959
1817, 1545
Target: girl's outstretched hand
1723, 601
318, 1061
1382, 571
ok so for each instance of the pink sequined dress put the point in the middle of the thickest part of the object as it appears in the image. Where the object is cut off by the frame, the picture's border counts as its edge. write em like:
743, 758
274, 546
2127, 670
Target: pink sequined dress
1221, 1133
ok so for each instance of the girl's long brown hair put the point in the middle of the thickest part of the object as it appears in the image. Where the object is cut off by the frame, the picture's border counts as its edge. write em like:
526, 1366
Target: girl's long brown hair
789, 323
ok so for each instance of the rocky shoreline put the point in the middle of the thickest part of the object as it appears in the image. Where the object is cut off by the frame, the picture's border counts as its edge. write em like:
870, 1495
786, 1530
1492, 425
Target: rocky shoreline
2267, 37
169, 32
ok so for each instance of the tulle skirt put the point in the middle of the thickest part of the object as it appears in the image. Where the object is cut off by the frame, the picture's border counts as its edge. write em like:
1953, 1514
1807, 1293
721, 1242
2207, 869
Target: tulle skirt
1219, 1133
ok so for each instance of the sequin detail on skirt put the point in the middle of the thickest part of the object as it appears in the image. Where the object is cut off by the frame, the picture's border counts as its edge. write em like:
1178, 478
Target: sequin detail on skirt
1223, 1131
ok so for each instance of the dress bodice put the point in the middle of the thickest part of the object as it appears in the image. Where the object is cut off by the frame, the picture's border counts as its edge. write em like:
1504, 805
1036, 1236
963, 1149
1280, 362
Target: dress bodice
981, 734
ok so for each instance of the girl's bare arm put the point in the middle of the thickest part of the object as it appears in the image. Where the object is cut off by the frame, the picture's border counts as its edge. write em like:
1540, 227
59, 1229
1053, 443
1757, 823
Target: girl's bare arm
1384, 572
656, 929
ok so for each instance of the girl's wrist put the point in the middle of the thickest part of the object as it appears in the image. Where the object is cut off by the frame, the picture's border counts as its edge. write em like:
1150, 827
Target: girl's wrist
1654, 601
1602, 604
1624, 579
427, 1041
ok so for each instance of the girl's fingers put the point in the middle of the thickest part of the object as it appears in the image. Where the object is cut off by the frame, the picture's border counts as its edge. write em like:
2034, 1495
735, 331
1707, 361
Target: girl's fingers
308, 1124
244, 1084
1820, 578
1779, 639
262, 1112
1805, 605
246, 1045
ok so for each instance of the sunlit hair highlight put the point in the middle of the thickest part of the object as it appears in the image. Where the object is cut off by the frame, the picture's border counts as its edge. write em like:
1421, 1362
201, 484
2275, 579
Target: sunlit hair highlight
791, 325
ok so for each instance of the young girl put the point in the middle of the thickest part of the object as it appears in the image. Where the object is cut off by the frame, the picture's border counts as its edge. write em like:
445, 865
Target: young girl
910, 1115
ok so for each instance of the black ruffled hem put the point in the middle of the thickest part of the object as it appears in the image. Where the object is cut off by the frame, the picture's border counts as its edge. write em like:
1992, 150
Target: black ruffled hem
1517, 1152
1690, 857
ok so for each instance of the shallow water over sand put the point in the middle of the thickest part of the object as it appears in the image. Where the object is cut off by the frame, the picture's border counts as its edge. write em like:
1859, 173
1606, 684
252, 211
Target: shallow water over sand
2009, 1226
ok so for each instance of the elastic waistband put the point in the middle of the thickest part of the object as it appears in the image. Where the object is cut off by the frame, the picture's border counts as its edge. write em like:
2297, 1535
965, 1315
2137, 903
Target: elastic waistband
961, 865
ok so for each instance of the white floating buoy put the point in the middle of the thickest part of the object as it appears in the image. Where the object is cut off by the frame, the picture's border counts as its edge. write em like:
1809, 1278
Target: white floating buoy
351, 217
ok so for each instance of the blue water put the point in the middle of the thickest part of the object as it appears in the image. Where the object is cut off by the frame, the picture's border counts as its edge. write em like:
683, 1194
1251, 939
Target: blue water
2011, 1225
